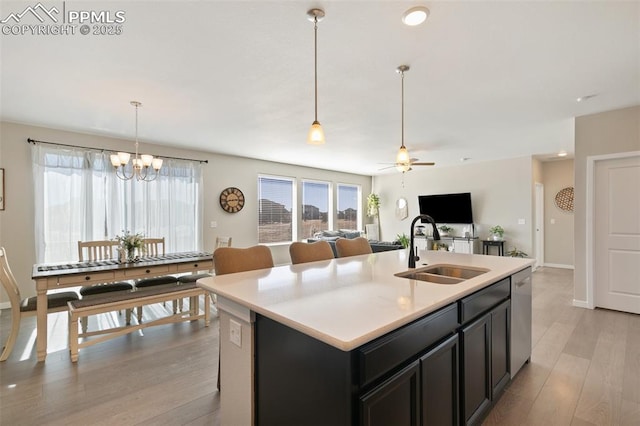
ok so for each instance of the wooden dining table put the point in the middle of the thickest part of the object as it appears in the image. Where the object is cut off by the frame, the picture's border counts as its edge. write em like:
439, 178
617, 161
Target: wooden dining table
75, 274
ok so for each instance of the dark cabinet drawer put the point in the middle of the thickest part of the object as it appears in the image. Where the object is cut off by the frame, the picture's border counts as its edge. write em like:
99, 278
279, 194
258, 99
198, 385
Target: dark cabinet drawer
384, 354
483, 300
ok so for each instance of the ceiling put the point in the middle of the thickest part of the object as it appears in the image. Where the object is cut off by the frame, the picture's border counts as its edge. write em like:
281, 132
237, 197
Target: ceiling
488, 80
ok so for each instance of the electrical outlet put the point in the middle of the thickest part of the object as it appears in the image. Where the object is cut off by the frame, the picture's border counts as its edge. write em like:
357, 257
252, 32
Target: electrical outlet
213, 224
521, 221
235, 333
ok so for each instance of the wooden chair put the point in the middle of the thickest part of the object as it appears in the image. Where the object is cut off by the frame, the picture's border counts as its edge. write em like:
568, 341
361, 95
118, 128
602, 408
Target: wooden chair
228, 260
310, 252
352, 247
97, 250
93, 251
222, 242
57, 302
154, 246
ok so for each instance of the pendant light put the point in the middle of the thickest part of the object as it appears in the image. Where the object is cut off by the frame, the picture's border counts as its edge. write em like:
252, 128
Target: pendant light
403, 161
140, 165
316, 134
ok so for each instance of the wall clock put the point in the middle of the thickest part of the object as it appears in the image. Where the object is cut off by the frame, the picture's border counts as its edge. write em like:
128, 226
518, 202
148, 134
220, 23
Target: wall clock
231, 200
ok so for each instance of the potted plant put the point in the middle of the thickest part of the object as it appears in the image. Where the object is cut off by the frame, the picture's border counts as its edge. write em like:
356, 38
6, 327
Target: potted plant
444, 230
514, 252
129, 243
497, 232
373, 205
403, 240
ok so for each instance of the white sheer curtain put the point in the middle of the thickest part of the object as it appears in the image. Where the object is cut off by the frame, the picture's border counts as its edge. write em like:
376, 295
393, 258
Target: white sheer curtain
78, 197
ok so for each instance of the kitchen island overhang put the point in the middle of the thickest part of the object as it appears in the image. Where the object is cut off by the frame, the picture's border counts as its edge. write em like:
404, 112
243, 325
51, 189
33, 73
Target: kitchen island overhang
344, 303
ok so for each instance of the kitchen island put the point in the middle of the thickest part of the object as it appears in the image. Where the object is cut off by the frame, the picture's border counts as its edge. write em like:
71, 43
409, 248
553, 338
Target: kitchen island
346, 341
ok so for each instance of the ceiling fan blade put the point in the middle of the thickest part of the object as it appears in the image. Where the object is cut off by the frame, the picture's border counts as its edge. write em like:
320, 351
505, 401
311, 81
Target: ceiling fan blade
388, 167
423, 164
413, 160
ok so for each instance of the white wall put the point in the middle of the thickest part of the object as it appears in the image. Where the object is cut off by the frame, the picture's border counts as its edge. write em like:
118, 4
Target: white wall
16, 222
501, 193
597, 134
558, 227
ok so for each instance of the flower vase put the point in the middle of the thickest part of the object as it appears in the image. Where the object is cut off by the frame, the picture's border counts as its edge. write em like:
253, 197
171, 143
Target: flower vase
131, 254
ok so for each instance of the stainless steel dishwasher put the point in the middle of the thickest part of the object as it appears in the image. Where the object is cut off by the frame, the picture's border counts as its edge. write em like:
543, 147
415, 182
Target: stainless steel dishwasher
520, 319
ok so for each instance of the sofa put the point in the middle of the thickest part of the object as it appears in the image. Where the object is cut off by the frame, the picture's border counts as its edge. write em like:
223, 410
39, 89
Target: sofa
332, 236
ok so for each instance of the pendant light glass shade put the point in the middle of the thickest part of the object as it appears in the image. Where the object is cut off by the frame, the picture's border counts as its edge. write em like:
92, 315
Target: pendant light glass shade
316, 134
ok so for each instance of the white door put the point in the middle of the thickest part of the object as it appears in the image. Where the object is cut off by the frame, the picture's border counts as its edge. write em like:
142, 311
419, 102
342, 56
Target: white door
617, 234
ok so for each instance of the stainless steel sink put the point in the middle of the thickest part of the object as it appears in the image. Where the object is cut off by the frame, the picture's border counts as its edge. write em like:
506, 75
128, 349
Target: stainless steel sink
442, 273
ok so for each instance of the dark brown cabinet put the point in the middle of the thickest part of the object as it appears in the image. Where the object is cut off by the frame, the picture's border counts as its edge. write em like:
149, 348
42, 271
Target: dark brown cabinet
476, 369
394, 402
500, 348
424, 393
446, 368
485, 362
439, 376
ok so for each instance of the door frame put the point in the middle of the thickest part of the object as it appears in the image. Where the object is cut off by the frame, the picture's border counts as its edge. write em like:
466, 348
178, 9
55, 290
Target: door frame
590, 226
538, 225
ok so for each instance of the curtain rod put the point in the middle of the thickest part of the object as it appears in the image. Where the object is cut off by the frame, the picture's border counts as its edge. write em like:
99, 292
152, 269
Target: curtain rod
34, 141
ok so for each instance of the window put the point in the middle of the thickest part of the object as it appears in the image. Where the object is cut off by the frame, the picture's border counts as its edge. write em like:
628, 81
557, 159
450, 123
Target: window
276, 221
349, 215
79, 198
316, 207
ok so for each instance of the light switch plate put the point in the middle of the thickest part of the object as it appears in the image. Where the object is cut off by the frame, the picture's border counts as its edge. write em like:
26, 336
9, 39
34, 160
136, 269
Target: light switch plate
235, 333
521, 221
213, 224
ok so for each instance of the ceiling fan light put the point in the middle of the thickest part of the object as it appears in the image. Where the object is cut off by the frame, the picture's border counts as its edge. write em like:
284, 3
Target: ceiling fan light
403, 156
403, 167
316, 134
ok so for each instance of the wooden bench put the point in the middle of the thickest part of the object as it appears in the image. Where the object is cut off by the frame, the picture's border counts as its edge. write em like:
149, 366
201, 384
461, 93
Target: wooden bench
115, 301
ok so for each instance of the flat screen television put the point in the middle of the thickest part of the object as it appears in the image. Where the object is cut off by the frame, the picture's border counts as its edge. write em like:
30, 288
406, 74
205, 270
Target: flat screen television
447, 208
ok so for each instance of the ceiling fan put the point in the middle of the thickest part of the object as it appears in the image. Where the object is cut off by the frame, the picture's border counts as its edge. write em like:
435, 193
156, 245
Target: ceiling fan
403, 162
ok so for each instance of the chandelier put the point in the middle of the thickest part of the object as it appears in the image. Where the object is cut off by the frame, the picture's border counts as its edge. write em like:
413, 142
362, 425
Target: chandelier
141, 164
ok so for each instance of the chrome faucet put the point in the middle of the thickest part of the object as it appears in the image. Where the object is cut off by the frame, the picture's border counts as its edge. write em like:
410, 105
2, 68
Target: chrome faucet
436, 237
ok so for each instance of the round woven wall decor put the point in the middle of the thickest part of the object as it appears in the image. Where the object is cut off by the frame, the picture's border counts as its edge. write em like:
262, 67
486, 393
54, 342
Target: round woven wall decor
564, 199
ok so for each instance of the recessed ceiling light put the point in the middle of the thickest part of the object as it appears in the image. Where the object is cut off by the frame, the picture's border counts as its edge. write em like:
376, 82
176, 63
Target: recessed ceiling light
585, 98
415, 16
562, 153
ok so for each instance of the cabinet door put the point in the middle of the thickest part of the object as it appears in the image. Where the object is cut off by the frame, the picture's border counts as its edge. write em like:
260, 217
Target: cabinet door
500, 350
462, 246
395, 401
476, 369
439, 375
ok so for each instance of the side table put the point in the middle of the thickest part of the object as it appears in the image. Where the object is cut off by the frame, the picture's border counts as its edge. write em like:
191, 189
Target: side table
493, 243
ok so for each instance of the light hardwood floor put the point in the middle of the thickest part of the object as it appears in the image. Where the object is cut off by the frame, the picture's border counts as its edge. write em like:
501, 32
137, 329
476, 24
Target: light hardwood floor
585, 370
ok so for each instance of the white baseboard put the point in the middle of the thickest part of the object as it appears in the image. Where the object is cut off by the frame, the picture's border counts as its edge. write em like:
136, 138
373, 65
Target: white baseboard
558, 265
4, 305
581, 304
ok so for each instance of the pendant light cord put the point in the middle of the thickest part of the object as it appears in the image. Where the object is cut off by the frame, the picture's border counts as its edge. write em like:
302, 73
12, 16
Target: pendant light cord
315, 61
136, 105
402, 107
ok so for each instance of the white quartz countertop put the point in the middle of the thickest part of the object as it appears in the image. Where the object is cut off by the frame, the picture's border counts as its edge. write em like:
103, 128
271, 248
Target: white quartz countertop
350, 301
